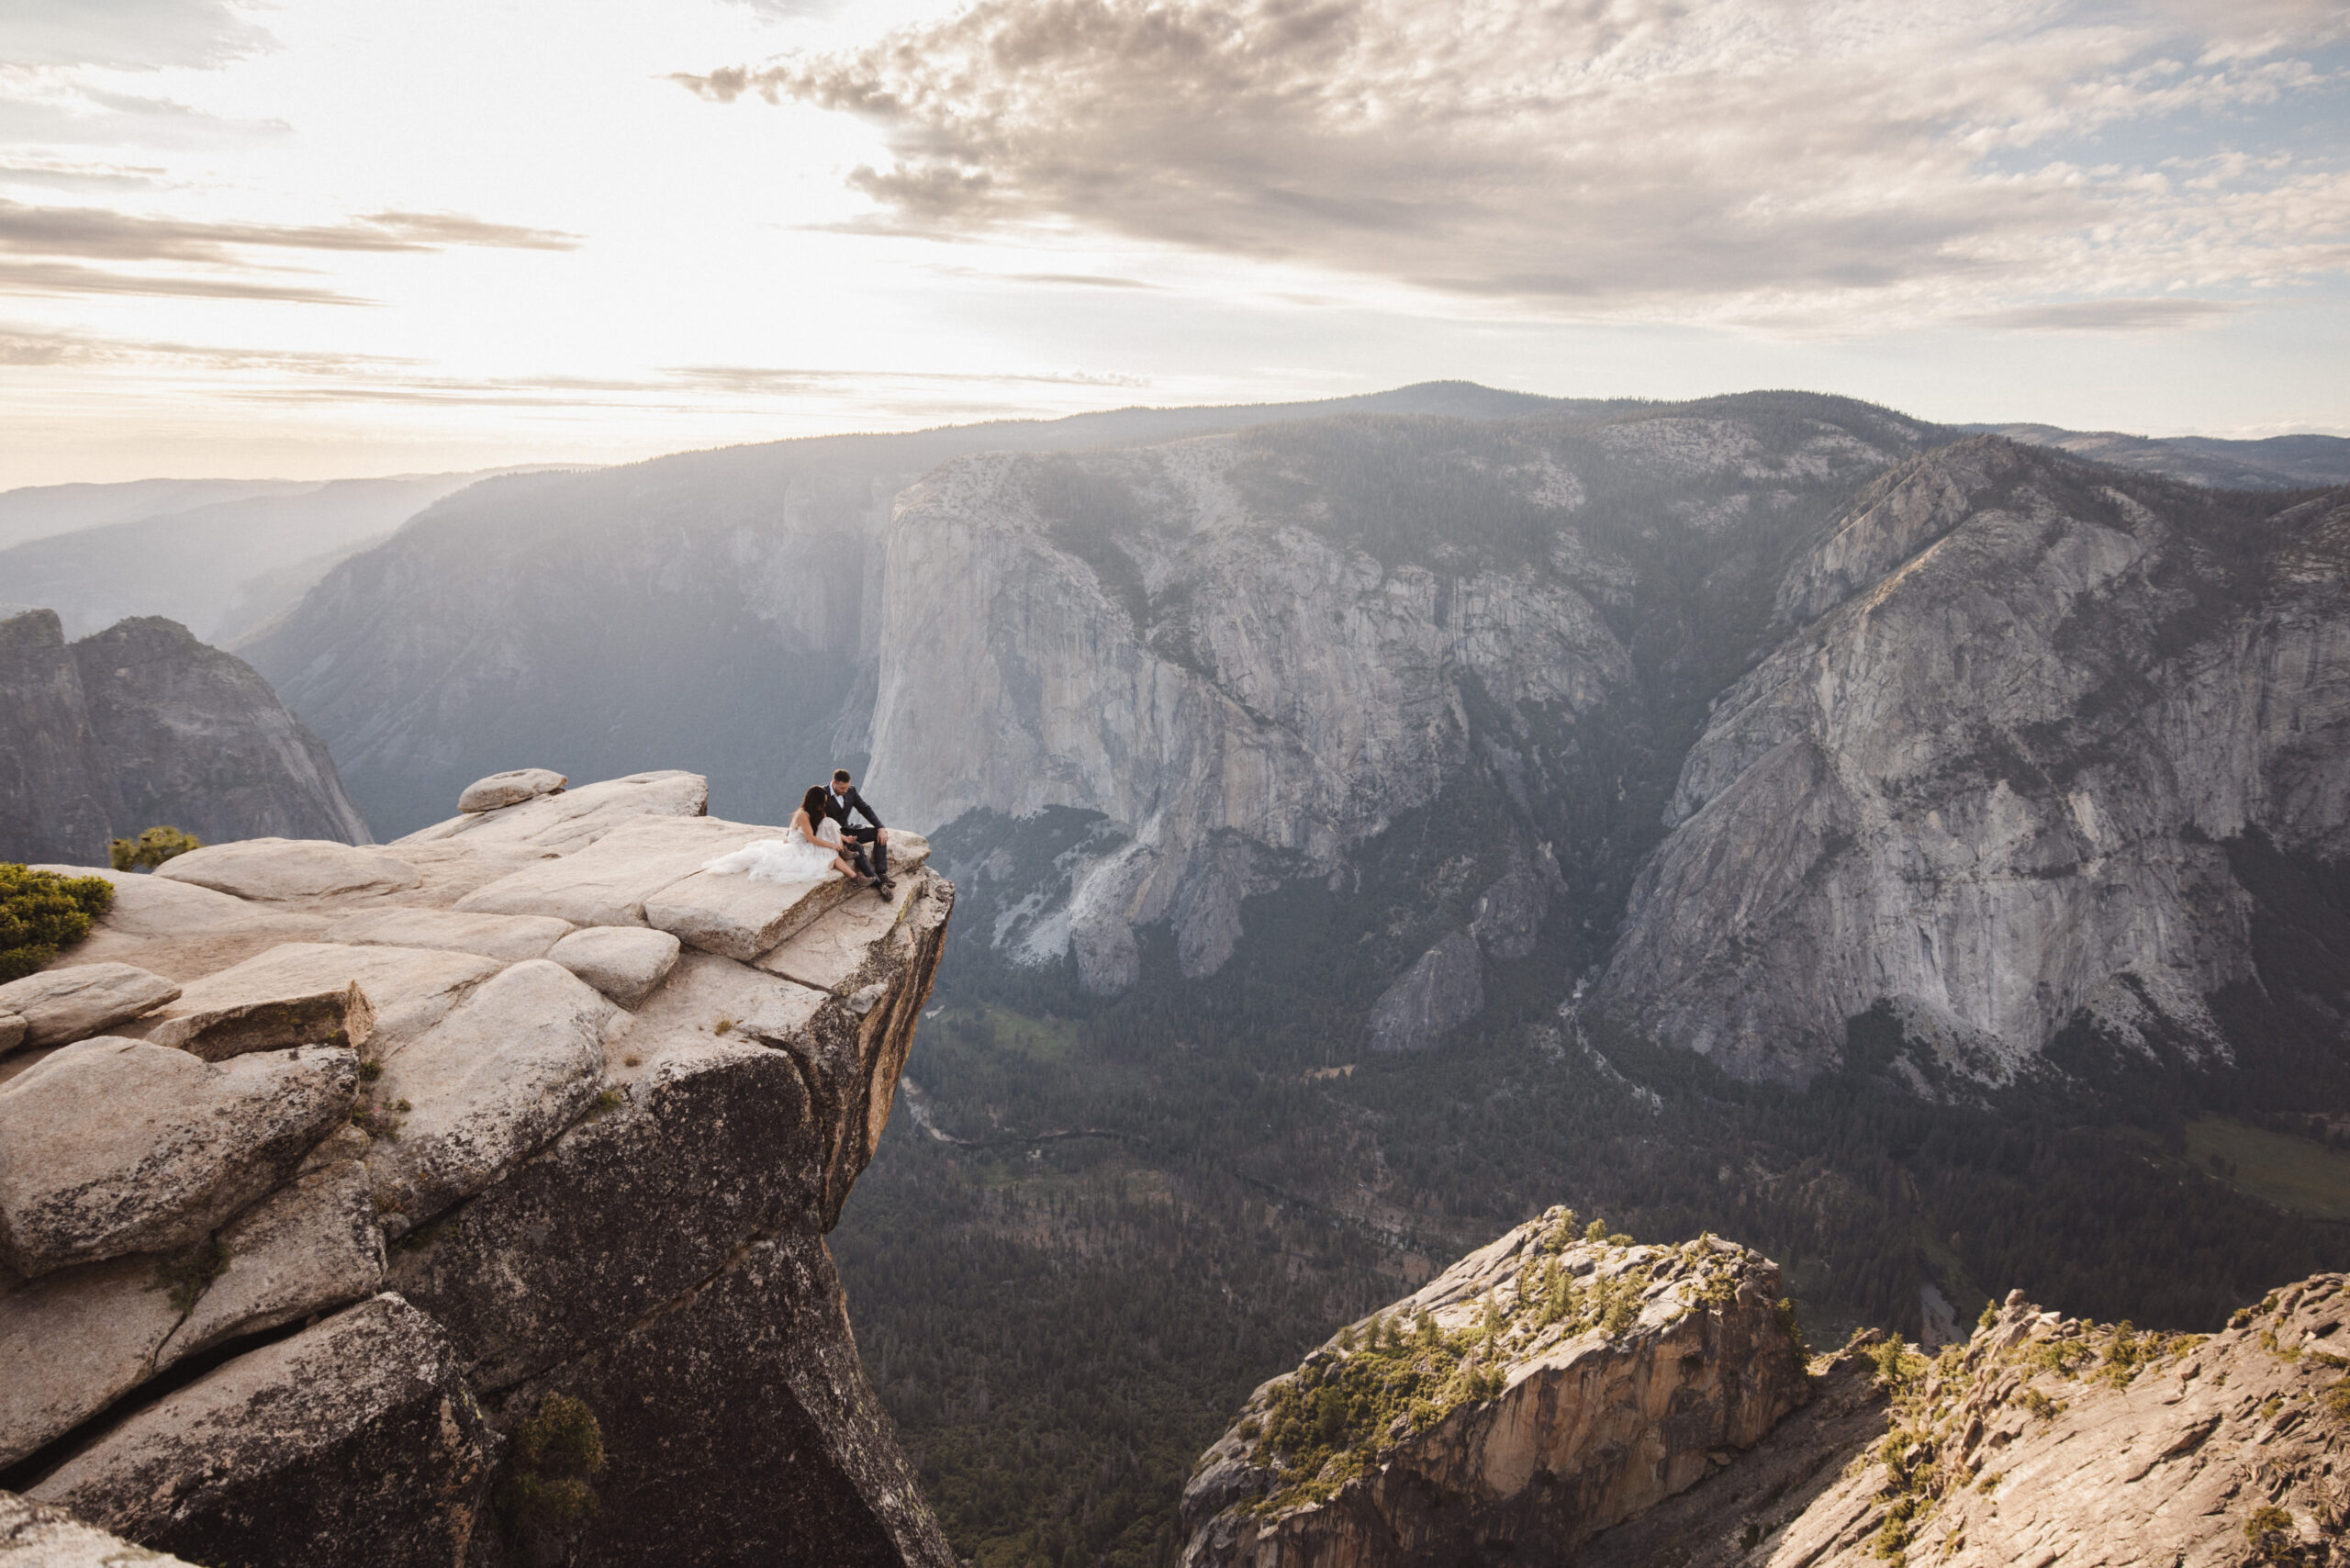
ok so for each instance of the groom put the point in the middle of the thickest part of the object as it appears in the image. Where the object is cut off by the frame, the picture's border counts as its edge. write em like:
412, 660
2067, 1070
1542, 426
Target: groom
843, 798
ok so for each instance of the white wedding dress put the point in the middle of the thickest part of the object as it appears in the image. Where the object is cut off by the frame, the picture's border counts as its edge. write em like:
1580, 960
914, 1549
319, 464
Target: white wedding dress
791, 858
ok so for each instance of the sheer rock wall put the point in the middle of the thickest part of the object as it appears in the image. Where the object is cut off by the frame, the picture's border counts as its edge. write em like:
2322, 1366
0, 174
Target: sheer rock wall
142, 724
1984, 778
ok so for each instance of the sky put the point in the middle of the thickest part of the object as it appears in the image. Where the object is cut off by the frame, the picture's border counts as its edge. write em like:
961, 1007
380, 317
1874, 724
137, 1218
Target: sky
321, 238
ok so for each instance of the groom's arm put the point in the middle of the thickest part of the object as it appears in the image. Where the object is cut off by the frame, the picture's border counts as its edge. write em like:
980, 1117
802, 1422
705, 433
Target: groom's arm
856, 803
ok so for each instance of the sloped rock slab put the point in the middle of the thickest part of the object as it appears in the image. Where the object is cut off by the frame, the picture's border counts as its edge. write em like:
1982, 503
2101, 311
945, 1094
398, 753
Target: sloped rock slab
13, 1032
159, 907
838, 950
739, 1429
183, 1144
311, 1245
620, 1214
354, 1440
299, 986
509, 938
520, 1062
63, 1006
624, 962
510, 788
568, 822
276, 868
33, 1535
73, 1342
606, 882
730, 914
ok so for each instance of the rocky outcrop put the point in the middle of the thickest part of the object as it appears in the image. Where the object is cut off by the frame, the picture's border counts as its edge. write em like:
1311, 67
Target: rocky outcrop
142, 724
504, 1246
1543, 1388
2044, 1438
1666, 1415
1983, 782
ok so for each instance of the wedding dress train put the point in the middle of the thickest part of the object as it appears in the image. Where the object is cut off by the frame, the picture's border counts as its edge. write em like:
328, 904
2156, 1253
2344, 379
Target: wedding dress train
791, 858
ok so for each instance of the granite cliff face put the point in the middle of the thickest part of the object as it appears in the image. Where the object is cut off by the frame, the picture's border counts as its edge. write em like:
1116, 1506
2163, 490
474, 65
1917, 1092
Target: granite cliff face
1248, 656
1665, 1416
464, 1198
140, 724
1984, 781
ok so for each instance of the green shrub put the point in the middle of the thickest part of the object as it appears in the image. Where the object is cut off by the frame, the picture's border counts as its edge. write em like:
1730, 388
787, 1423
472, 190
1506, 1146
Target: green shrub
151, 848
558, 1454
43, 913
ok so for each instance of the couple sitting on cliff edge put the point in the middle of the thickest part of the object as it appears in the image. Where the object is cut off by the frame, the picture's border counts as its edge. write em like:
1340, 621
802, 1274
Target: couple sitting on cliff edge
820, 841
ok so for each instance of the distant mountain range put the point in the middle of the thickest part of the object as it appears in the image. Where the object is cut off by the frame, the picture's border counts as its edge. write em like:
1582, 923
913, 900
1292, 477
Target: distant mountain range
2277, 463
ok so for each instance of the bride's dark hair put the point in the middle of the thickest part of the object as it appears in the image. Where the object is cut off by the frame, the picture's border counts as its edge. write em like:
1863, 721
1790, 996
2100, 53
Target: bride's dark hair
812, 803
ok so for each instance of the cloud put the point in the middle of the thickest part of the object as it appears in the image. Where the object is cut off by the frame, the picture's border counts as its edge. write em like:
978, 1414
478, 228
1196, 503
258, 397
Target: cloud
67, 278
2107, 315
133, 35
1796, 158
98, 233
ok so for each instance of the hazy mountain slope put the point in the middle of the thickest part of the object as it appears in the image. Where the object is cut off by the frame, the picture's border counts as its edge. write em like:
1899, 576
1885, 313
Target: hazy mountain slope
1984, 778
142, 724
194, 565
712, 610
36, 511
2277, 462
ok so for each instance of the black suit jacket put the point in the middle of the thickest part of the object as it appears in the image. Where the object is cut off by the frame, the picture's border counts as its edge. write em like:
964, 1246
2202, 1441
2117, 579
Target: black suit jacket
838, 811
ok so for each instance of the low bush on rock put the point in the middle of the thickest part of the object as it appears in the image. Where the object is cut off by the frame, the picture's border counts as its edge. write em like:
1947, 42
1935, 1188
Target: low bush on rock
151, 848
42, 914
550, 1489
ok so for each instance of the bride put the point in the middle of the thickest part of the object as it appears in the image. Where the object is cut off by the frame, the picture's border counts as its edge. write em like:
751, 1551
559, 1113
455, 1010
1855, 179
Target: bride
808, 852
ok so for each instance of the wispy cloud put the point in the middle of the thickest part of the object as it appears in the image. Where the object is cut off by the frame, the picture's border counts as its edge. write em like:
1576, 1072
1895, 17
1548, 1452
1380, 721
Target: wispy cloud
2107, 315
67, 239
100, 234
69, 277
1798, 158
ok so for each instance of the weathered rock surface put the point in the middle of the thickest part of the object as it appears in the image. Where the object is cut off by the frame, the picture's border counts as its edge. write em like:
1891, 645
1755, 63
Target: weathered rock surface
116, 1146
517, 1062
510, 788
2047, 1440
1983, 779
33, 1535
507, 937
142, 724
73, 1342
59, 1007
312, 1245
308, 991
1542, 1389
355, 1437
624, 962
564, 824
274, 869
740, 919
13, 1031
606, 882
624, 1204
